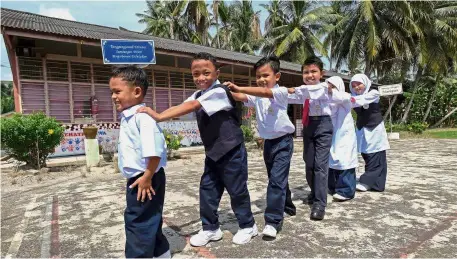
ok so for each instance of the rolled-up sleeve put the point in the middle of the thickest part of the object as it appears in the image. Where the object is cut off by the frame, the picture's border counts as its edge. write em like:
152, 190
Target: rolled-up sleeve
250, 101
215, 100
152, 139
280, 95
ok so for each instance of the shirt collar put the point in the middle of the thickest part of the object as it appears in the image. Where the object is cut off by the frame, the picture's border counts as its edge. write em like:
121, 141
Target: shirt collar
212, 86
131, 111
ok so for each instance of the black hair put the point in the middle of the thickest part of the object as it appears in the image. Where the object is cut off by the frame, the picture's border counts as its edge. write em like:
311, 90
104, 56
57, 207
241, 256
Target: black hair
272, 60
132, 74
205, 56
313, 60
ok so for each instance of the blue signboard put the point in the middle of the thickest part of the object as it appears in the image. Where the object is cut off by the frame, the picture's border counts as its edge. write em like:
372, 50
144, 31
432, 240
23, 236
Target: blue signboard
128, 52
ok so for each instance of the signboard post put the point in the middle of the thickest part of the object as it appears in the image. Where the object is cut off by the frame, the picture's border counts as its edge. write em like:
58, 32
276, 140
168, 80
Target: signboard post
128, 52
388, 90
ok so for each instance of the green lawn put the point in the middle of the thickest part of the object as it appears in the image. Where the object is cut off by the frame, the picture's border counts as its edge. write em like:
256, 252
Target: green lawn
443, 133
447, 133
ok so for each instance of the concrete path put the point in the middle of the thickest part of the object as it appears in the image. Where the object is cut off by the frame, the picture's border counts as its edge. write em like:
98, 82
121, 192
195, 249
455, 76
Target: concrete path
67, 215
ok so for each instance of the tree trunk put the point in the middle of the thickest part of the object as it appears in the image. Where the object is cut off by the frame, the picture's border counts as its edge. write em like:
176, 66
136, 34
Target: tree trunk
218, 36
389, 110
410, 103
367, 67
172, 31
432, 98
330, 56
444, 118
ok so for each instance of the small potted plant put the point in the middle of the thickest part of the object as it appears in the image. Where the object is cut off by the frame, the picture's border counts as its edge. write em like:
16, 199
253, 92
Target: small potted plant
173, 143
90, 132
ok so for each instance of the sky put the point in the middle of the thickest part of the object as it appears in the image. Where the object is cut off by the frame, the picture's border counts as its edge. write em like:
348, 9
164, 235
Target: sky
106, 13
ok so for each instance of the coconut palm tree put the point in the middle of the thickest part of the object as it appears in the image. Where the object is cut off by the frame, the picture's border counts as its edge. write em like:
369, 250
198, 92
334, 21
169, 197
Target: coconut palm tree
276, 18
199, 20
222, 19
297, 29
165, 19
245, 25
374, 31
437, 49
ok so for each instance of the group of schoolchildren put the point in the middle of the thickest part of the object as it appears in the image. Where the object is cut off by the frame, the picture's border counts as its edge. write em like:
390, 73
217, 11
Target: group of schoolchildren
331, 144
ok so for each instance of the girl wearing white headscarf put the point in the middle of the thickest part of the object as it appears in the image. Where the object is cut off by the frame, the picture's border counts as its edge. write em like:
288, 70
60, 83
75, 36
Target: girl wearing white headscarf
343, 152
372, 140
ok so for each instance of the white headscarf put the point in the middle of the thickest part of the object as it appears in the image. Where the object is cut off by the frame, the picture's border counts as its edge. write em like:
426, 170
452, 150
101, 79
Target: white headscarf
336, 81
361, 78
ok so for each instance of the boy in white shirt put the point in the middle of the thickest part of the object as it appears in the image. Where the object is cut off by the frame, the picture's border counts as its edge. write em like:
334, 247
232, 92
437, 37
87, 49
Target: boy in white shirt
226, 158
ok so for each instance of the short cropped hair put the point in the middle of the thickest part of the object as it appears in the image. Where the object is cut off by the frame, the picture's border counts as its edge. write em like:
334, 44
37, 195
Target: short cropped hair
272, 60
132, 74
206, 56
313, 61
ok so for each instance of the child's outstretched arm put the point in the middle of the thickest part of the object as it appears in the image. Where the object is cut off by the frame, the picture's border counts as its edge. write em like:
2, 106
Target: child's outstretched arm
365, 99
240, 97
299, 94
315, 92
255, 91
340, 97
172, 112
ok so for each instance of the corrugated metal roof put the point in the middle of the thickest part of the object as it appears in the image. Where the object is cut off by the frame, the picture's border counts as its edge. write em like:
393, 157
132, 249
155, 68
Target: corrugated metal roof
44, 24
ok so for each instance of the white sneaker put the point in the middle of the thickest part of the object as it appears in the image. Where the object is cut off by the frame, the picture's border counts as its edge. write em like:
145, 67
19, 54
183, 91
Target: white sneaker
362, 187
339, 197
269, 231
245, 235
167, 254
204, 236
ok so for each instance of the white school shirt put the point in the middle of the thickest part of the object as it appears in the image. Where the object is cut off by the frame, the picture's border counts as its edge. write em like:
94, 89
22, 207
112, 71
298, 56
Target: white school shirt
211, 100
319, 101
317, 92
375, 140
271, 114
140, 138
343, 152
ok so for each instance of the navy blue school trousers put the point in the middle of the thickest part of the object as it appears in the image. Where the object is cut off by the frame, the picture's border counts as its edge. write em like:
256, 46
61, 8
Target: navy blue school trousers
342, 182
277, 154
317, 140
375, 171
229, 172
143, 220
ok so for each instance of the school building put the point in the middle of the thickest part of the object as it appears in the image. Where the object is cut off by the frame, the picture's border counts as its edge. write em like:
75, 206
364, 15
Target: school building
57, 68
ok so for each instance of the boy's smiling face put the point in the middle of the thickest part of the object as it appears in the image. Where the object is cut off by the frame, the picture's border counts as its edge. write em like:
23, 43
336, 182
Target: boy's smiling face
123, 95
312, 74
266, 77
204, 73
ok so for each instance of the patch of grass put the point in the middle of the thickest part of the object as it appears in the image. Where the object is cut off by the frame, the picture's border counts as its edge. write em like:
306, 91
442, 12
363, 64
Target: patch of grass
443, 133
446, 133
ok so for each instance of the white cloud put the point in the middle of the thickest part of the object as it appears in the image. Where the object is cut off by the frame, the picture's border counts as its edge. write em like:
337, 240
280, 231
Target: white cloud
63, 13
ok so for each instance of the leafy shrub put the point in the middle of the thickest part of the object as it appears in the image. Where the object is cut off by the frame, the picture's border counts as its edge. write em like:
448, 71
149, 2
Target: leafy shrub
248, 133
173, 141
30, 138
417, 127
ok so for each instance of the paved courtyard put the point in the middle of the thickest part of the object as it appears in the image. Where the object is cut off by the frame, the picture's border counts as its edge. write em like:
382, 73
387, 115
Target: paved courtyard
68, 215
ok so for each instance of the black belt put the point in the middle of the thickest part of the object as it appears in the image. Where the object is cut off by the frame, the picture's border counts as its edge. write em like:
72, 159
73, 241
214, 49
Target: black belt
317, 118
288, 135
